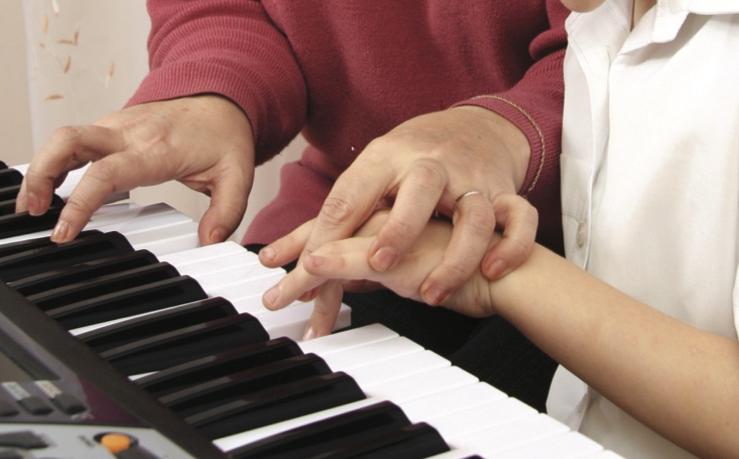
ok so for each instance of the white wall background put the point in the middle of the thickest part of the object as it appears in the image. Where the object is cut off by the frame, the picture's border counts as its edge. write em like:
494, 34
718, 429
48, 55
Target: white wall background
72, 61
15, 121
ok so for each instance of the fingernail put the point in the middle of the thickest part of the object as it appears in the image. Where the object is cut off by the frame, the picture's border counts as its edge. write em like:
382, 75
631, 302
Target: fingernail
270, 296
495, 269
434, 295
310, 333
267, 253
384, 259
34, 204
61, 232
217, 235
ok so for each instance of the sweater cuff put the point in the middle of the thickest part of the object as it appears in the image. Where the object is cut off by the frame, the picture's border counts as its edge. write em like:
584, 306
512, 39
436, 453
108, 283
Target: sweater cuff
526, 123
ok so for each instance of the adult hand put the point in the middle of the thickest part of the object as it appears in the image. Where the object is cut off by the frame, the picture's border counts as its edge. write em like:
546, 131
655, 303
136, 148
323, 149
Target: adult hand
425, 165
205, 142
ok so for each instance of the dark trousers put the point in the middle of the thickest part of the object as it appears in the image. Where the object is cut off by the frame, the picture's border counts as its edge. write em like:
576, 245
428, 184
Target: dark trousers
491, 349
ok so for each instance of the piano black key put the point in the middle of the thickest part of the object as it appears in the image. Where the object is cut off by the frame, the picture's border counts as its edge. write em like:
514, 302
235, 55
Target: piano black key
130, 302
7, 207
10, 177
122, 333
110, 283
415, 441
23, 223
217, 391
381, 430
171, 348
34, 261
48, 280
203, 369
36, 243
275, 404
9, 192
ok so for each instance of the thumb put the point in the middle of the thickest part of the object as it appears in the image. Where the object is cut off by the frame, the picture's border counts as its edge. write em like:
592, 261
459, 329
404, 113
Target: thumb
227, 206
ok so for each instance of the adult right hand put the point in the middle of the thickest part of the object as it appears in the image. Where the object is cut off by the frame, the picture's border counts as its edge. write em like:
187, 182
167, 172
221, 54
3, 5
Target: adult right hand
205, 142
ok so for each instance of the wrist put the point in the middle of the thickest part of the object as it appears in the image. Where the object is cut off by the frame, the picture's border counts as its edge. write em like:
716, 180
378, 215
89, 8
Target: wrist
509, 139
517, 290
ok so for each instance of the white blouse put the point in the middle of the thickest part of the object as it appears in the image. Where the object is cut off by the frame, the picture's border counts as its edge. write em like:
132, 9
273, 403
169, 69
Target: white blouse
650, 179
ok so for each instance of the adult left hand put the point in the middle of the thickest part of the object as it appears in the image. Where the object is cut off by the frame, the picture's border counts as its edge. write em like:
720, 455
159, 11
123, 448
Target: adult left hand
465, 163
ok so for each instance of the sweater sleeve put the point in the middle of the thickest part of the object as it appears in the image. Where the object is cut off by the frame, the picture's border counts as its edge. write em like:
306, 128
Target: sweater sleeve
534, 104
230, 48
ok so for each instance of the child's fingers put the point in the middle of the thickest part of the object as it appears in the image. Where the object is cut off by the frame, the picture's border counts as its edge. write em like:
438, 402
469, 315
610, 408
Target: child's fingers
344, 259
287, 248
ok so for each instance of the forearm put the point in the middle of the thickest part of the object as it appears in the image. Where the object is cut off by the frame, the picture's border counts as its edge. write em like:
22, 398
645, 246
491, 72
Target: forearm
677, 379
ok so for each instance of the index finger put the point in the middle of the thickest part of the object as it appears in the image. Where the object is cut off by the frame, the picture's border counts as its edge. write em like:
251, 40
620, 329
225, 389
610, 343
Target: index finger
118, 172
68, 148
349, 203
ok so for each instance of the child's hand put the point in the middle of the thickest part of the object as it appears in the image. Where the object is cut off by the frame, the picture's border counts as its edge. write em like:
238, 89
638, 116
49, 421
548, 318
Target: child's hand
347, 259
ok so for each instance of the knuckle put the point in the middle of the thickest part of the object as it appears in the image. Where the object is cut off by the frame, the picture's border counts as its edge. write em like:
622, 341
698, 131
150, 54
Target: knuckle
336, 210
480, 220
518, 249
377, 146
67, 134
405, 290
430, 173
323, 311
397, 230
103, 172
454, 273
79, 206
532, 214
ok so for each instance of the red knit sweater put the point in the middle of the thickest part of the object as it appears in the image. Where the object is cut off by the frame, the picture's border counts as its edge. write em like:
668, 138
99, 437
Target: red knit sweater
347, 71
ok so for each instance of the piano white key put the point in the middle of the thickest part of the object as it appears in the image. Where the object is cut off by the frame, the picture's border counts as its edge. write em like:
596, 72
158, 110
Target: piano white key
371, 353
157, 234
567, 445
349, 339
482, 417
169, 245
257, 285
146, 219
251, 303
607, 454
454, 454
250, 436
231, 261
422, 384
238, 275
380, 373
291, 321
428, 408
200, 254
71, 181
491, 442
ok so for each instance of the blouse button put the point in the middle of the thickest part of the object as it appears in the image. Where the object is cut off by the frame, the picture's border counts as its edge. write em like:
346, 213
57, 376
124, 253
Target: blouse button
582, 234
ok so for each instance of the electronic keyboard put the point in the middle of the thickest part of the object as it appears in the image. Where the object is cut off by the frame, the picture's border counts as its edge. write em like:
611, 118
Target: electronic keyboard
134, 342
